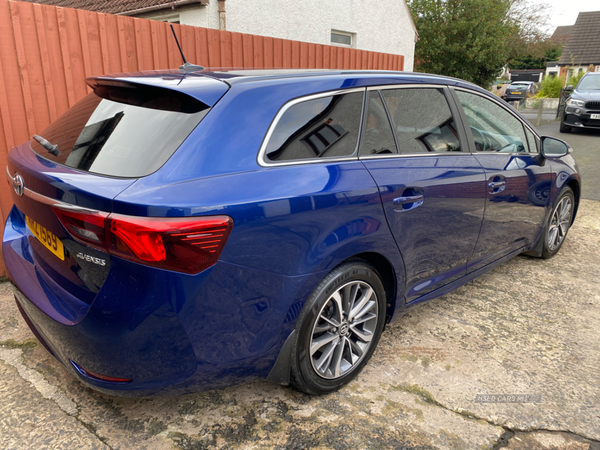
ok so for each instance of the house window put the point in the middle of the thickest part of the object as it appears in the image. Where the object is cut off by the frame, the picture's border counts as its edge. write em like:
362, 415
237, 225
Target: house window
342, 38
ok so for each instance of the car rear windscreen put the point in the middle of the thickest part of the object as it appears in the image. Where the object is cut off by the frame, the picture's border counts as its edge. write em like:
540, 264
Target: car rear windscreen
122, 131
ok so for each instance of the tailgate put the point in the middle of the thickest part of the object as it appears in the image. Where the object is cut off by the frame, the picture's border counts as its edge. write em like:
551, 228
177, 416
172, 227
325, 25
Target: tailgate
39, 253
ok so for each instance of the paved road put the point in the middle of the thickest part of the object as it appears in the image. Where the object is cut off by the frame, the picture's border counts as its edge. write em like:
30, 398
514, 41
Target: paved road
532, 115
528, 327
586, 150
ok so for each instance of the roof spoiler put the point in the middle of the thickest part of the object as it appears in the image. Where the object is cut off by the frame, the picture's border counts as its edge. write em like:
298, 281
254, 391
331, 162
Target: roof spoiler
145, 96
190, 88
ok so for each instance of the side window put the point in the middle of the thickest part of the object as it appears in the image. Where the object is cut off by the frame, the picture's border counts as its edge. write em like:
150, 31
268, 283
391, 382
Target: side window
494, 128
532, 141
377, 137
422, 120
325, 127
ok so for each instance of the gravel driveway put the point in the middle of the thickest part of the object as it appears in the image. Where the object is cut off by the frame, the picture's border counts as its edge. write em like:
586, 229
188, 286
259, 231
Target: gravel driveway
511, 359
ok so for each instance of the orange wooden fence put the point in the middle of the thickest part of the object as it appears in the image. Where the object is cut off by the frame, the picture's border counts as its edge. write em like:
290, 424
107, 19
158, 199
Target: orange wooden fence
47, 51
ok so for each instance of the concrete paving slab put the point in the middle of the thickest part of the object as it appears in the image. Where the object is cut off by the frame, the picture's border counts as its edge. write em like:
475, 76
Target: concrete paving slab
28, 420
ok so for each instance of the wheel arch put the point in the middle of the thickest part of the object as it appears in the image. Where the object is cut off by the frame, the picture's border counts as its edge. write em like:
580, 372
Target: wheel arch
388, 277
576, 188
280, 372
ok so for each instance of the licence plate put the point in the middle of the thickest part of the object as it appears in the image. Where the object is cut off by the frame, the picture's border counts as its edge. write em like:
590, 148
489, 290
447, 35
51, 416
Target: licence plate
50, 241
594, 116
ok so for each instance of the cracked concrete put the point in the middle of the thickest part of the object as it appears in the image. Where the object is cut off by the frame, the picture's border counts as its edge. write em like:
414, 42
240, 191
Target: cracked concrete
529, 327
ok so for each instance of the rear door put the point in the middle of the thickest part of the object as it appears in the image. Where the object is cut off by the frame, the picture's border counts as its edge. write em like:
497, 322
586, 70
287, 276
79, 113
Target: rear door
518, 178
431, 187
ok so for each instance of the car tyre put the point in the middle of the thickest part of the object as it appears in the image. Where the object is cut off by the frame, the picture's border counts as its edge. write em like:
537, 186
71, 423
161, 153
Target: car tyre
338, 328
558, 224
564, 128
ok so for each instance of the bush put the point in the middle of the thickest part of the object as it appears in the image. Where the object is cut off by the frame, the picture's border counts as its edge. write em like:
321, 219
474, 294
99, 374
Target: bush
550, 87
572, 81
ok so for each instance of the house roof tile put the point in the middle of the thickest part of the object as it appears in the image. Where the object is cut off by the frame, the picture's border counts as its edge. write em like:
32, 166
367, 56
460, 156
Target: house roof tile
562, 34
113, 7
584, 45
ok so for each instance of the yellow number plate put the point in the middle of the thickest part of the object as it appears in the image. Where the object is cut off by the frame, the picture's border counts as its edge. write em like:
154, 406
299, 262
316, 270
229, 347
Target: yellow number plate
50, 241
515, 92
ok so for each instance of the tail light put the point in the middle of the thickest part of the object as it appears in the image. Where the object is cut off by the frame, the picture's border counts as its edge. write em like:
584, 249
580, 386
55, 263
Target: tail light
87, 228
186, 244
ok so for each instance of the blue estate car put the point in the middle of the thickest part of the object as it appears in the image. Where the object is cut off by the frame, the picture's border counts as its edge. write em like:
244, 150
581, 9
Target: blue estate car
174, 232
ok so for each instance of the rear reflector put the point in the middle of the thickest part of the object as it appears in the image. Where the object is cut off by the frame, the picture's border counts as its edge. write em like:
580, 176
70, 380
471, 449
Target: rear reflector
186, 244
97, 376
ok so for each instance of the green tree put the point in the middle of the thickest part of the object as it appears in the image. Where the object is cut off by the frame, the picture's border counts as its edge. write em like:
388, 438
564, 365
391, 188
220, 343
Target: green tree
535, 55
462, 38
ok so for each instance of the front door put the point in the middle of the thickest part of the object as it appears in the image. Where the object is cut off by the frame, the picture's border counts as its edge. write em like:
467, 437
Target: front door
432, 191
518, 178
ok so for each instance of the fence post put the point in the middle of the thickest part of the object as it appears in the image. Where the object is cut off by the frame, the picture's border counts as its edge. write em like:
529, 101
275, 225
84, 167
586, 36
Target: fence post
540, 111
561, 104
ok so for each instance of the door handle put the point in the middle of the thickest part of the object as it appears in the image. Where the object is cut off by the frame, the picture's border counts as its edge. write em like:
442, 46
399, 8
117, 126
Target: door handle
408, 199
496, 184
411, 198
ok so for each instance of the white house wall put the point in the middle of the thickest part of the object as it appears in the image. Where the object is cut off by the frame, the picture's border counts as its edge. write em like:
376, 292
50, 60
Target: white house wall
378, 25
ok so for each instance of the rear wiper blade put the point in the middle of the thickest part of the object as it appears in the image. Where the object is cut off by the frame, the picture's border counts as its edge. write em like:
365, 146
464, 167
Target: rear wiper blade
52, 149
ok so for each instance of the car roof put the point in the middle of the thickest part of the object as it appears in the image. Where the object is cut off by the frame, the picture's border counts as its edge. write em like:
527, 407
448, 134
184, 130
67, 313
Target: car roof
235, 76
200, 84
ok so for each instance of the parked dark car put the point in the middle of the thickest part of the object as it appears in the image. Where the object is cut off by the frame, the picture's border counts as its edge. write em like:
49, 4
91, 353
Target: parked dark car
583, 106
519, 90
177, 232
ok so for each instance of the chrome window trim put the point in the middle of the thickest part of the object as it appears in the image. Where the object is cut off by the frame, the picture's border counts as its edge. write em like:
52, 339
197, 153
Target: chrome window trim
417, 155
406, 86
261, 158
503, 106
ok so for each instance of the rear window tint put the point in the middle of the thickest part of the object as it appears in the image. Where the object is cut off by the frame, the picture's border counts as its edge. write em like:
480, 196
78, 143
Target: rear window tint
325, 127
130, 132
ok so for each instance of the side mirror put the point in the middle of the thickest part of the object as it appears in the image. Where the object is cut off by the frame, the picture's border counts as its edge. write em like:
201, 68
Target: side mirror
569, 88
554, 148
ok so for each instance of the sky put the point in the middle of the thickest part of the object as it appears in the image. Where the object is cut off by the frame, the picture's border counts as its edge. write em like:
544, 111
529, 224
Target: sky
564, 12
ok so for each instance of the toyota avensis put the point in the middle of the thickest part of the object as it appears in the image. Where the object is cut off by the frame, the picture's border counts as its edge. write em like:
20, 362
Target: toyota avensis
174, 232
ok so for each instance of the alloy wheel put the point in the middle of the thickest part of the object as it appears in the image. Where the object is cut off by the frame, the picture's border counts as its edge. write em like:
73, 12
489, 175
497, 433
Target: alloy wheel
344, 330
559, 223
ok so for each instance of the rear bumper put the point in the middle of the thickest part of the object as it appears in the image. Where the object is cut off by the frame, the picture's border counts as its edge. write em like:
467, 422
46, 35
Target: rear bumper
156, 354
514, 98
169, 333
